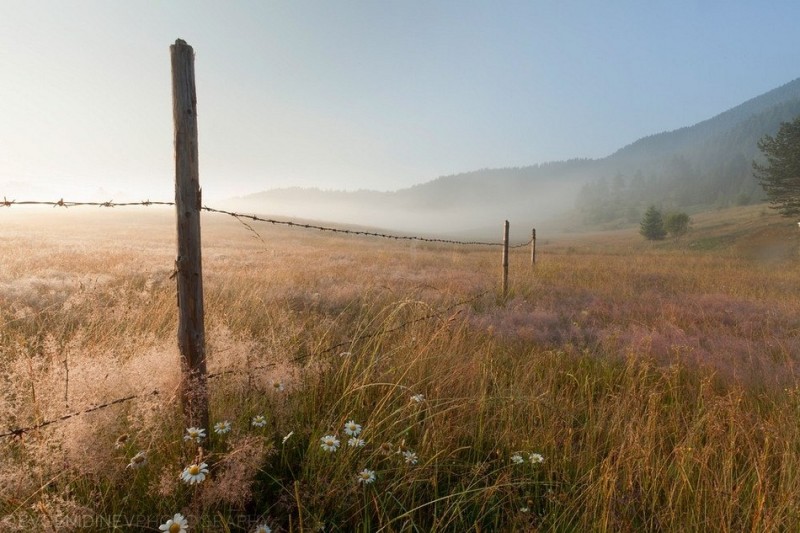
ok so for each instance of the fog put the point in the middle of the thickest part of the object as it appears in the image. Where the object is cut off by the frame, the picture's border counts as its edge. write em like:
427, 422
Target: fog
406, 213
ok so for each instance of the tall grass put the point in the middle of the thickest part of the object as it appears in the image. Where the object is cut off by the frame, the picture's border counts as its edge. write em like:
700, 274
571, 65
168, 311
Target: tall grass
657, 384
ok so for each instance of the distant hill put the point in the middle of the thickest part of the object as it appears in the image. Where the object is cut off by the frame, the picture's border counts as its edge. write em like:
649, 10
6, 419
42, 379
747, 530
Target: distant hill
707, 164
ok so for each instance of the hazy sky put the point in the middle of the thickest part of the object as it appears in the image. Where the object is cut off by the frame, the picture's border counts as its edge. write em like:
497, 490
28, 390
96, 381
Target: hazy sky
370, 94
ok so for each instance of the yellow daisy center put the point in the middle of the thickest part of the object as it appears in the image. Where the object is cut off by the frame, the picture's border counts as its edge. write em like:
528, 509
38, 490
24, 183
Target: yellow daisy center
193, 470
175, 528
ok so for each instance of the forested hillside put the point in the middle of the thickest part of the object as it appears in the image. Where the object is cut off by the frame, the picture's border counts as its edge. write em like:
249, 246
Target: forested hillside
697, 167
709, 164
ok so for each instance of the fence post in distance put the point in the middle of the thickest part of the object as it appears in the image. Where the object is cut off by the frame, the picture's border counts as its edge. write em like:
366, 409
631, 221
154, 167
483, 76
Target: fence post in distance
188, 265
533, 246
505, 259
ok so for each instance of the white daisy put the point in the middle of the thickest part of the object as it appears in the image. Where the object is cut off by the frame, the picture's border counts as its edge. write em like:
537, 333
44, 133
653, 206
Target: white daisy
410, 457
262, 528
345, 354
259, 421
121, 441
138, 460
418, 398
221, 428
525, 510
194, 434
176, 524
277, 386
195, 473
536, 458
517, 459
329, 443
355, 442
366, 476
352, 429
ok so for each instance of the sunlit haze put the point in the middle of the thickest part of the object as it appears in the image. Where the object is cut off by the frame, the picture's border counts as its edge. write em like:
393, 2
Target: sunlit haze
372, 95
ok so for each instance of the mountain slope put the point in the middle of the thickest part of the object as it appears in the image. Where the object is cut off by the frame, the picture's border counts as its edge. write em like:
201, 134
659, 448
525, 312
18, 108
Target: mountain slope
706, 164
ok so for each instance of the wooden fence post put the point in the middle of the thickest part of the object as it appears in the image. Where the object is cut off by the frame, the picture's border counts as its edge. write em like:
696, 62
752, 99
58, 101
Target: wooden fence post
533, 246
505, 259
188, 266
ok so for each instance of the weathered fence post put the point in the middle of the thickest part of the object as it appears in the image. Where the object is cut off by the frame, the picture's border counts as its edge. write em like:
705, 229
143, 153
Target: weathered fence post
188, 266
505, 259
533, 246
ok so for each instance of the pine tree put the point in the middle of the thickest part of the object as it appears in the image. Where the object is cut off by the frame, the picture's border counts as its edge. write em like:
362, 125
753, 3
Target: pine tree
780, 177
652, 226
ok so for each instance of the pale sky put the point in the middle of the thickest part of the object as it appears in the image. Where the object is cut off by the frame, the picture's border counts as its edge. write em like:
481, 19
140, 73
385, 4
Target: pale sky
370, 94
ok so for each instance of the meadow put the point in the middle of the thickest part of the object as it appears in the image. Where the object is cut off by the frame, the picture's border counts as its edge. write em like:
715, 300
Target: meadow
368, 385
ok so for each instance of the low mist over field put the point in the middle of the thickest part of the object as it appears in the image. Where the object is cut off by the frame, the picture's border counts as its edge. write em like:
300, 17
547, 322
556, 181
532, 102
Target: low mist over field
452, 206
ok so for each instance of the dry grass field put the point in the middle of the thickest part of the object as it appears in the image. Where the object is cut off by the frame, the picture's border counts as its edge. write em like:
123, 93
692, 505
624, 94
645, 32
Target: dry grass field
622, 386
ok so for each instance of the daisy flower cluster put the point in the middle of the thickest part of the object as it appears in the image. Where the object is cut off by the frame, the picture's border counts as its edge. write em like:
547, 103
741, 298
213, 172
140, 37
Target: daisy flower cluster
331, 443
354, 430
533, 458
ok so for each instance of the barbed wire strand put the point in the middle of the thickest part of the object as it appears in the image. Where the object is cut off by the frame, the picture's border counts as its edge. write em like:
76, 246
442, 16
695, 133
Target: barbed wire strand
241, 216
18, 432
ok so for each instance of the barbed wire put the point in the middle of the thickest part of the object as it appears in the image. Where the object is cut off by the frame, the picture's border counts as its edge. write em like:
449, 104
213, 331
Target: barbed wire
18, 432
64, 203
244, 216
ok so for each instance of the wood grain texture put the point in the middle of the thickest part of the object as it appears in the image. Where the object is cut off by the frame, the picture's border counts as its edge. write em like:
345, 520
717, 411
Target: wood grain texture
188, 265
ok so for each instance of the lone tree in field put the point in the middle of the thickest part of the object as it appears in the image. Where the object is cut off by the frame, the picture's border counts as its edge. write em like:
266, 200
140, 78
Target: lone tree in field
652, 226
780, 177
677, 224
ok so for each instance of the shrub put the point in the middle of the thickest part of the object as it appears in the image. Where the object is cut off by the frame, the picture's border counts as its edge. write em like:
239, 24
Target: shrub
677, 224
652, 226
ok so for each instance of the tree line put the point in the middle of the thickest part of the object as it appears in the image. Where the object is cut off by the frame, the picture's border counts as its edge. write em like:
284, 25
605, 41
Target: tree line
779, 176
